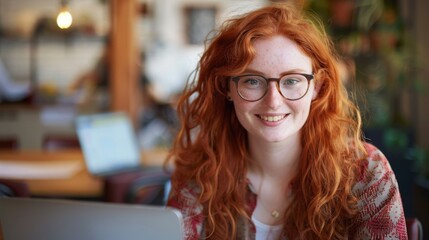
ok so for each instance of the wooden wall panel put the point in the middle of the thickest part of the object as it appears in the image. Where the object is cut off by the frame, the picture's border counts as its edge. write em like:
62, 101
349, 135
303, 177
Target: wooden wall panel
124, 57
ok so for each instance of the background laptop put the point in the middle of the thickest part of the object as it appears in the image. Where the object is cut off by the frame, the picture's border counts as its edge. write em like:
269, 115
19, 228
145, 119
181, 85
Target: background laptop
109, 143
111, 151
53, 219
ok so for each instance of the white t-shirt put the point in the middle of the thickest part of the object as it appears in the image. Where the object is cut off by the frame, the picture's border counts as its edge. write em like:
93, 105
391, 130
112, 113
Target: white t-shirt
266, 232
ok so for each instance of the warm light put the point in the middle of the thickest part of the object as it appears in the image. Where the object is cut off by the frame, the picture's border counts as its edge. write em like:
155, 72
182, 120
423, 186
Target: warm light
64, 19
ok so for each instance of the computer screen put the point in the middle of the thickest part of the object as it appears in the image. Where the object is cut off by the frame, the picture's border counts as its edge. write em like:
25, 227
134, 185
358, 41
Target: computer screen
108, 142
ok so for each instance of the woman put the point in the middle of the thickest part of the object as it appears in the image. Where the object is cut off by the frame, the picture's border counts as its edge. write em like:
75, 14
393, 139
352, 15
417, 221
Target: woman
270, 145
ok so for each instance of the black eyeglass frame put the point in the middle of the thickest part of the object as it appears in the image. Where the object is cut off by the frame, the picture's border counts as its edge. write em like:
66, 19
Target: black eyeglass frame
309, 77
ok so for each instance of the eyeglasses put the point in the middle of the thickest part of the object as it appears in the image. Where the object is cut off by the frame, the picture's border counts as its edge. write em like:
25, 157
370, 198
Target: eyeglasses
292, 86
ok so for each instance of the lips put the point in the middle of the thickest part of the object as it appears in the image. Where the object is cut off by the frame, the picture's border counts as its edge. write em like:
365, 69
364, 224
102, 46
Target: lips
272, 118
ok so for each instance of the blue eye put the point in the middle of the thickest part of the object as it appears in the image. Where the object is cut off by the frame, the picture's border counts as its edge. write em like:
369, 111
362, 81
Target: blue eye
252, 82
291, 81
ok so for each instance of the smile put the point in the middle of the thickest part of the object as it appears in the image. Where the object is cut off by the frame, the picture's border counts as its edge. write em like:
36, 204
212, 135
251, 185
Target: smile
272, 118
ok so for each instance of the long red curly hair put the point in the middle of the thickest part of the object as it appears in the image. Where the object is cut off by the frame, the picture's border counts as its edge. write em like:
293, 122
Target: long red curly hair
211, 146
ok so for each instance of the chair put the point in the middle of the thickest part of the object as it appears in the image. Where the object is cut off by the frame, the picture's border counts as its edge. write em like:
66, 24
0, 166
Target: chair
149, 189
13, 188
142, 187
8, 143
414, 229
57, 142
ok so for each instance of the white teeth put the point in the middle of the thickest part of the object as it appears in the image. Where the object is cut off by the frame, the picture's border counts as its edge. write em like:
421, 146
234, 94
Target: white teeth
272, 118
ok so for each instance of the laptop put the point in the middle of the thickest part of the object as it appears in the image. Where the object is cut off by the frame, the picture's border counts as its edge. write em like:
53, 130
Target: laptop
109, 143
55, 219
110, 151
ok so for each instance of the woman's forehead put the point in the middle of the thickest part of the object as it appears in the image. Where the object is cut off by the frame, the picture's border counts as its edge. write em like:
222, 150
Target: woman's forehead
279, 53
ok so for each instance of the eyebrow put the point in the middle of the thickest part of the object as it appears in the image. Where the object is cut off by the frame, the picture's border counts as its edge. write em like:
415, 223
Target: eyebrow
295, 70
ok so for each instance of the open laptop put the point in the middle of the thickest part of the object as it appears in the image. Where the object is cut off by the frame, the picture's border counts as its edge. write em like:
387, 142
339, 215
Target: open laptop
54, 219
111, 151
109, 143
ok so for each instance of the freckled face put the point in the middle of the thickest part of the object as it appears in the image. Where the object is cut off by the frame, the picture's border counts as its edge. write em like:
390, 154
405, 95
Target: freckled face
274, 118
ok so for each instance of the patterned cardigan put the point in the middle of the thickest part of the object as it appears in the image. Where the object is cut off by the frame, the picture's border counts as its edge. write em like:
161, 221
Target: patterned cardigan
381, 214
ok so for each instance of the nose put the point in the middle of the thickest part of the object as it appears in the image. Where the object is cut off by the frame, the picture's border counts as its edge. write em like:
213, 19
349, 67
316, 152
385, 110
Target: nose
273, 98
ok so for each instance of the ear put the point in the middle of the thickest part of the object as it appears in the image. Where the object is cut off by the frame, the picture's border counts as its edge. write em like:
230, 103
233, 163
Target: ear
317, 86
228, 94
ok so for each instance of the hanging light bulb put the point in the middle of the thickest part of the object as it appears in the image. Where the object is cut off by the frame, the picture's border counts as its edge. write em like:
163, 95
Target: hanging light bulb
64, 18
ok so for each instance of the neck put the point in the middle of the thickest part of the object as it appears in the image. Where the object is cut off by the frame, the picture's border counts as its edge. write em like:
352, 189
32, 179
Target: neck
272, 166
275, 159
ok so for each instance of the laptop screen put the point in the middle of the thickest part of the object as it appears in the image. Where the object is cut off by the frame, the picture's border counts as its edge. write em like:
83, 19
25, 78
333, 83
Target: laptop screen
54, 219
108, 143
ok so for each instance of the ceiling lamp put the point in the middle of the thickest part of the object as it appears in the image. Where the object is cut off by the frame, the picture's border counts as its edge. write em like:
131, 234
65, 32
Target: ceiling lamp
64, 18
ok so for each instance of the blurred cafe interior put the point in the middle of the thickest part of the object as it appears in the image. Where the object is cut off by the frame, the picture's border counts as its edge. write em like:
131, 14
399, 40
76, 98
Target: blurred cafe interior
61, 59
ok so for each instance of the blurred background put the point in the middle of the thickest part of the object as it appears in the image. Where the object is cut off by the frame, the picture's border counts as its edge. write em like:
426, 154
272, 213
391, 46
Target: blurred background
63, 58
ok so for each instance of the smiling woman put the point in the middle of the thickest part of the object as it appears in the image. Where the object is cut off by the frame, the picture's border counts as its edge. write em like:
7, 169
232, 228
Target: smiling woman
279, 112
270, 145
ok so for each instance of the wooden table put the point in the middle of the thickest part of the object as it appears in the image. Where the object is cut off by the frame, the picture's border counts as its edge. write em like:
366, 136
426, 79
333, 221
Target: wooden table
81, 183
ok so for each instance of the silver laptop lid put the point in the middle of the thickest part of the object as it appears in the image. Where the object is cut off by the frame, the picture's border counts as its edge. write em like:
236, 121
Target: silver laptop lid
108, 143
51, 219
